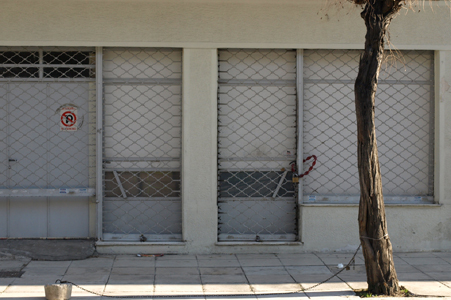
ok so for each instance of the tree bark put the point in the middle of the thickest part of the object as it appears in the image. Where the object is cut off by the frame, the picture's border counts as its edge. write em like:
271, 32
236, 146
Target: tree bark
376, 245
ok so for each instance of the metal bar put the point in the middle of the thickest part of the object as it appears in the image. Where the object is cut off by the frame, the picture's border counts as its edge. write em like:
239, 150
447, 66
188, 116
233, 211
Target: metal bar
224, 237
41, 61
47, 154
407, 82
225, 115
99, 140
174, 115
346, 199
282, 178
250, 170
41, 64
62, 192
8, 149
160, 81
45, 48
140, 49
223, 103
431, 131
119, 183
300, 118
47, 79
268, 199
350, 81
286, 158
50, 238
300, 134
238, 82
126, 237
8, 135
155, 159
147, 199
142, 169
71, 66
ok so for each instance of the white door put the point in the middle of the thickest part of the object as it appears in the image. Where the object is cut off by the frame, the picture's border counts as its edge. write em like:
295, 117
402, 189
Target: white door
45, 171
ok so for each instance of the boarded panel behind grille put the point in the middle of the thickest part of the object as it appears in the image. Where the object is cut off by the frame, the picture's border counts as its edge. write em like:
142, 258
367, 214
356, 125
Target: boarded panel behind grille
404, 125
256, 143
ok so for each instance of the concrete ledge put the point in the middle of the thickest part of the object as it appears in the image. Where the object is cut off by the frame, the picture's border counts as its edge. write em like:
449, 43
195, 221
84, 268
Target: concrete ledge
110, 247
109, 243
259, 244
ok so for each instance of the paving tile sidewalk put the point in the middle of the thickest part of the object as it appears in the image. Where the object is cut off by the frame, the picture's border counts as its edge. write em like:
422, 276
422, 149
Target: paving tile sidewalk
220, 276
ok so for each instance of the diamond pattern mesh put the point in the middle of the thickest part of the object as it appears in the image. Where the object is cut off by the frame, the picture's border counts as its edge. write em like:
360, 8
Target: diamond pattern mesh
142, 144
38, 158
404, 126
257, 142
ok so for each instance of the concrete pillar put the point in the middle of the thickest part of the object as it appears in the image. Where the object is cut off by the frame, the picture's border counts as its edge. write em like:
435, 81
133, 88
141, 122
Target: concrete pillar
199, 144
442, 124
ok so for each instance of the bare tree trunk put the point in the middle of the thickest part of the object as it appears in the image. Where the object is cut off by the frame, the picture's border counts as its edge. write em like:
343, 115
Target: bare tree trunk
376, 245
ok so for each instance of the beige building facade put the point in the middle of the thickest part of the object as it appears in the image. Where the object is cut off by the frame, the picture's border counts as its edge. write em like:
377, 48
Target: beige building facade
197, 116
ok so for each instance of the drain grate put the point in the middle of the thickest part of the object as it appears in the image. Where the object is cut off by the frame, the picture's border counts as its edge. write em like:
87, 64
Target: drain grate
10, 274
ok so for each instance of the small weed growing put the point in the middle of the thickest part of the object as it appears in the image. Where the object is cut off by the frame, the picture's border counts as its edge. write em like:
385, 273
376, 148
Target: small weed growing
364, 294
402, 293
405, 293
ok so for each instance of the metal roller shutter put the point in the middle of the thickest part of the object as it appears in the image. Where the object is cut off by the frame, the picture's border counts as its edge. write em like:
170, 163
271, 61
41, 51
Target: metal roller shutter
142, 144
257, 122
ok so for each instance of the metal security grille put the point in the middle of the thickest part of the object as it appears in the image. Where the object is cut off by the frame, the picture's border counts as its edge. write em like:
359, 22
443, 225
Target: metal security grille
142, 144
404, 125
257, 145
38, 156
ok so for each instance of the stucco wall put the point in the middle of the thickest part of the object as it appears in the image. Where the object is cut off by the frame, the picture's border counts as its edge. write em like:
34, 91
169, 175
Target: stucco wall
210, 24
411, 228
202, 26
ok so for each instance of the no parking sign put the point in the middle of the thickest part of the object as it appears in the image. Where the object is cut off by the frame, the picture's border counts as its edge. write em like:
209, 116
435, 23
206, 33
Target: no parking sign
68, 117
